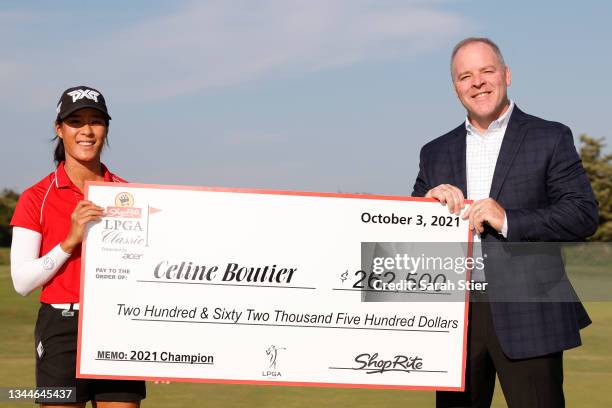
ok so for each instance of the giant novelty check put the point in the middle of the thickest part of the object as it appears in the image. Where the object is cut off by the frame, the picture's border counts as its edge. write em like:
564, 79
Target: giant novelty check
271, 287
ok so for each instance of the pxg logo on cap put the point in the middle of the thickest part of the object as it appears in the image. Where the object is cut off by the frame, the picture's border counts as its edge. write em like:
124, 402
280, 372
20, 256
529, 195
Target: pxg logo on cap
80, 97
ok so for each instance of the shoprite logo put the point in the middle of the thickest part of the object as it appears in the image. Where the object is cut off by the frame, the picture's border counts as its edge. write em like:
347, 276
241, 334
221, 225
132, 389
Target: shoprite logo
124, 200
124, 207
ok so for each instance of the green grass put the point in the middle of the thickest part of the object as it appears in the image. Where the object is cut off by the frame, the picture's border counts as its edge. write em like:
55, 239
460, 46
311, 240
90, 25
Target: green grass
4, 256
589, 268
588, 372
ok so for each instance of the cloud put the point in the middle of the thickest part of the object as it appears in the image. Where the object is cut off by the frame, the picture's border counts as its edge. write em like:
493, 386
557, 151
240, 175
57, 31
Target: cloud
226, 43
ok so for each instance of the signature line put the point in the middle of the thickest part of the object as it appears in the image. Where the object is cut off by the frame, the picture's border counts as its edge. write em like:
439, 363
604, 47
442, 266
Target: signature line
227, 284
290, 325
371, 371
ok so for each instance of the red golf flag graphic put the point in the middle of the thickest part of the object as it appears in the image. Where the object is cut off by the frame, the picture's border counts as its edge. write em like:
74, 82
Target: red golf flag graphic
152, 210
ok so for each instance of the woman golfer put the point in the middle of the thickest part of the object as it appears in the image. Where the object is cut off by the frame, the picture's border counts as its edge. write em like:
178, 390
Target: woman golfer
48, 227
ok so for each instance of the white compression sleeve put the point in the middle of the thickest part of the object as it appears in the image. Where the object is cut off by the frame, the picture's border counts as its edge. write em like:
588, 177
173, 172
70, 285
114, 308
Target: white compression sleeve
27, 269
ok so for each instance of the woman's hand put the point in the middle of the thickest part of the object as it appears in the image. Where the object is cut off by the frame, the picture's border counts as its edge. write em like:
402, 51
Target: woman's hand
84, 213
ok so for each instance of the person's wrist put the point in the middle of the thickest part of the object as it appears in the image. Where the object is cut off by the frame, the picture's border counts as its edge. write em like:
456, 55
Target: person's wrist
68, 245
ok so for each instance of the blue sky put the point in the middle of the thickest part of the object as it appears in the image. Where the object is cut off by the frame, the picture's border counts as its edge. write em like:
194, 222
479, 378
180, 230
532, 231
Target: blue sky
300, 95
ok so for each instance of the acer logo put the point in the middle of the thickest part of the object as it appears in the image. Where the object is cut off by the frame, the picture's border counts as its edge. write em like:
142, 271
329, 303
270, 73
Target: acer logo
132, 256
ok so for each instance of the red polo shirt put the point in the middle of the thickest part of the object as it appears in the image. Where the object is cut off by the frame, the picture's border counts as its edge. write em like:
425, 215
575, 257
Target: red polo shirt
46, 208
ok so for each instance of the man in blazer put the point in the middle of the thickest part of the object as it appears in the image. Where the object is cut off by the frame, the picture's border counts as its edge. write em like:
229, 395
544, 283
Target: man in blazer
528, 185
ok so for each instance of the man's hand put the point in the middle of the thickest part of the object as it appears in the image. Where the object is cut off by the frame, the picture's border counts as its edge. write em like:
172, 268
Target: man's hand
450, 196
487, 210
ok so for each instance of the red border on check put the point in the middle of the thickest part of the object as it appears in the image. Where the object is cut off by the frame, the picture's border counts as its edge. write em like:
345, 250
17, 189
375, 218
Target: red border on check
259, 382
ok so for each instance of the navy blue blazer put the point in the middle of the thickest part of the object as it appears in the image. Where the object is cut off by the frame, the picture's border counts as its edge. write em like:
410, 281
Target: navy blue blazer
541, 183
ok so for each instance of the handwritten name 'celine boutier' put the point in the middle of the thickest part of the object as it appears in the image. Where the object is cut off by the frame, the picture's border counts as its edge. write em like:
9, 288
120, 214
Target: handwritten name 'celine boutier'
233, 272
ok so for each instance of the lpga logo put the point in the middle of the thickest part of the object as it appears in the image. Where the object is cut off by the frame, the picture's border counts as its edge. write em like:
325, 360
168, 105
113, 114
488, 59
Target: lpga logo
84, 93
272, 353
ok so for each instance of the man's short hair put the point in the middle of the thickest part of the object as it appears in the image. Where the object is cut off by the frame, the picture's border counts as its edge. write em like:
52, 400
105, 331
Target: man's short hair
471, 40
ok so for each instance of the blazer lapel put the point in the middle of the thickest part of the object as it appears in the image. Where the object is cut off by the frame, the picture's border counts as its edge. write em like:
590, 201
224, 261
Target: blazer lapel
457, 158
515, 133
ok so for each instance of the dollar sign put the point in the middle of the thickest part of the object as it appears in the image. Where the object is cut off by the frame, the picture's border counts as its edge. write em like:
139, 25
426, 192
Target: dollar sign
344, 276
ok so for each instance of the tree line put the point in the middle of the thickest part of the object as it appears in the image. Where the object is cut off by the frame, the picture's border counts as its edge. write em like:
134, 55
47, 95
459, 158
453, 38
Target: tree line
597, 165
8, 200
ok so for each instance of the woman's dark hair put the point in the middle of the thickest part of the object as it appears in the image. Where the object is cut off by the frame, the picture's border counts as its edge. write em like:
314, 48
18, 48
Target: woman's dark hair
59, 154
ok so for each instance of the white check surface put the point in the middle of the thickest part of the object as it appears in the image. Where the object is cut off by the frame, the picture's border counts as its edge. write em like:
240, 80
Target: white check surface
319, 237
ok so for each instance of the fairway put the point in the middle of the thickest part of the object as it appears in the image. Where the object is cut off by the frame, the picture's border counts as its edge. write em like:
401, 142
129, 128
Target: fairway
588, 372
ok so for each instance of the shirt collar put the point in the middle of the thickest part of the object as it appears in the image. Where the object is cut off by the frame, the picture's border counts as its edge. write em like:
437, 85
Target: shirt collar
62, 180
498, 123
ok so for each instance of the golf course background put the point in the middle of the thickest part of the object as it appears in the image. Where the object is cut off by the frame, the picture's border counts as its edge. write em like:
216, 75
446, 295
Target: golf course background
588, 369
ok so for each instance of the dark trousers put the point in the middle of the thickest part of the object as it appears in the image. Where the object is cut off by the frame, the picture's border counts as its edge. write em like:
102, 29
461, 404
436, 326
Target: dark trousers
526, 383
